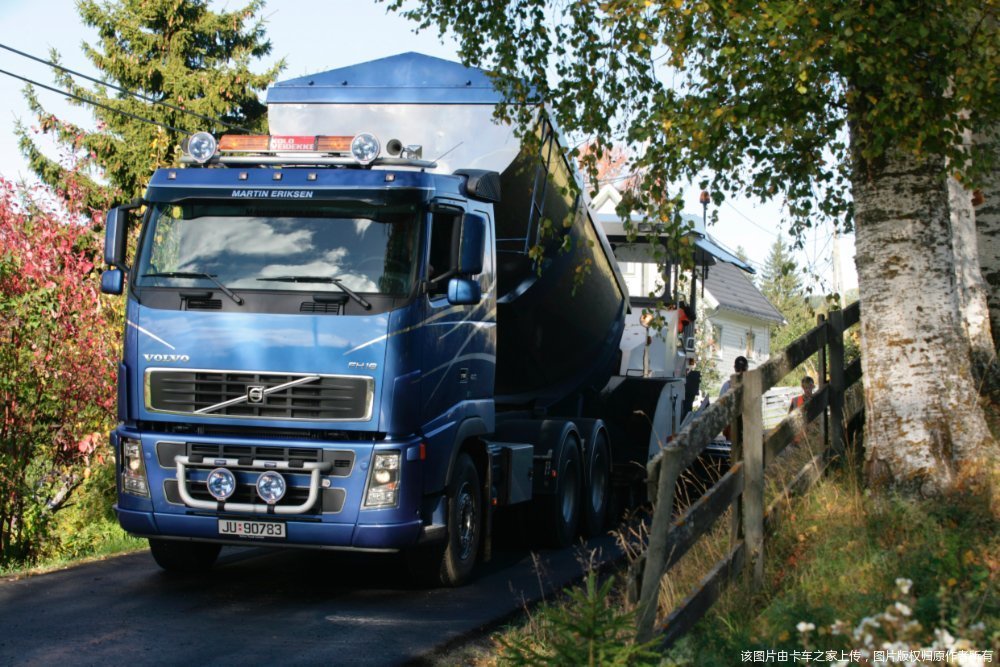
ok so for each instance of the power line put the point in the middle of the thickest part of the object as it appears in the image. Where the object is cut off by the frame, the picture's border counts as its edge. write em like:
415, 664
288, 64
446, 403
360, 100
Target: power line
94, 103
751, 221
123, 90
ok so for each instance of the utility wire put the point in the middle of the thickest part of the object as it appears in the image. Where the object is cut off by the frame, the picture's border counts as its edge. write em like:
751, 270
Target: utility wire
92, 102
751, 221
124, 90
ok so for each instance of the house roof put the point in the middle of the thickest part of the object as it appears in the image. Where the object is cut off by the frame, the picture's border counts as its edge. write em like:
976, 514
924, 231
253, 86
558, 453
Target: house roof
733, 291
406, 78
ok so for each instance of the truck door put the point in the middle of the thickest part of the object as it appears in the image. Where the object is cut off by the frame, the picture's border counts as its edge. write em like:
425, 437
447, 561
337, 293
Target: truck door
459, 345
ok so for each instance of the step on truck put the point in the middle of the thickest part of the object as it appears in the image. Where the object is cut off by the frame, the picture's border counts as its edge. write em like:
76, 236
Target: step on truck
338, 335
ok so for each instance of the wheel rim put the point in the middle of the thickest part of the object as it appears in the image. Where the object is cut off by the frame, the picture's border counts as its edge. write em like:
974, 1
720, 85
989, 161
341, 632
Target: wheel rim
598, 482
570, 493
466, 521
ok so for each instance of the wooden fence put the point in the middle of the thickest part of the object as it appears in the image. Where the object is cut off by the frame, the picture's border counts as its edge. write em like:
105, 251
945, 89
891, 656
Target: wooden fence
742, 487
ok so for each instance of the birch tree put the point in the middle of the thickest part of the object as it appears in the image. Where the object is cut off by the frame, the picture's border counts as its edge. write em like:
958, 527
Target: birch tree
988, 229
843, 110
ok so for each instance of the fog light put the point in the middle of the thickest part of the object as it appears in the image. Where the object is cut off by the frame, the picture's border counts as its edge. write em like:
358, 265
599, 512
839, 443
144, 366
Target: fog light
221, 484
383, 484
133, 471
365, 148
271, 487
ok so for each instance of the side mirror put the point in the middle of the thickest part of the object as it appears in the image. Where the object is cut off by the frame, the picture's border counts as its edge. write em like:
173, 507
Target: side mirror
112, 281
115, 236
471, 246
464, 292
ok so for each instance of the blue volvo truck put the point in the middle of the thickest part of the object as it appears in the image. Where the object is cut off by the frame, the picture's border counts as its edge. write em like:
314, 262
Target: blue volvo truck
368, 330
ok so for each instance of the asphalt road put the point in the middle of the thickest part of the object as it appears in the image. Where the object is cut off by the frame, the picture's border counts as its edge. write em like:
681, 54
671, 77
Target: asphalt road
259, 606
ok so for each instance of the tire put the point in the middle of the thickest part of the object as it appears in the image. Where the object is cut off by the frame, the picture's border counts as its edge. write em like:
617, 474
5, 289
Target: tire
597, 491
184, 557
452, 563
559, 513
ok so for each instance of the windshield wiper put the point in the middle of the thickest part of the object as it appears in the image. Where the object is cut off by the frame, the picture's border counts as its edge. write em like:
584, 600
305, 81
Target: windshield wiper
196, 274
322, 279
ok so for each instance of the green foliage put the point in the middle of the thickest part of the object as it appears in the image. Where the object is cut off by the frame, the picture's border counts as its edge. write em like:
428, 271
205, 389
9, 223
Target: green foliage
838, 557
760, 95
57, 369
176, 51
588, 629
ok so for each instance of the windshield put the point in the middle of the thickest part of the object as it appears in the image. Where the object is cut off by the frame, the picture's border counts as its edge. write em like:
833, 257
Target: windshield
324, 247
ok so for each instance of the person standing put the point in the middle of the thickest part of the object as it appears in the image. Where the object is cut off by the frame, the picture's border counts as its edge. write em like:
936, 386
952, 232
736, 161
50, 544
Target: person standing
808, 386
740, 365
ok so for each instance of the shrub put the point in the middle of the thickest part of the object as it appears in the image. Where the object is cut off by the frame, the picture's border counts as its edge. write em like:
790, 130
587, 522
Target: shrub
588, 629
57, 367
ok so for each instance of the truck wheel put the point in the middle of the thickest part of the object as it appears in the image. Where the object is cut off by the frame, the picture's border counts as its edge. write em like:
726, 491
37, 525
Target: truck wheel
451, 564
560, 512
184, 557
597, 493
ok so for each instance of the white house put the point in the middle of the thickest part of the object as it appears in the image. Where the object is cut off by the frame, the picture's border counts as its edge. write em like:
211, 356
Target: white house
740, 316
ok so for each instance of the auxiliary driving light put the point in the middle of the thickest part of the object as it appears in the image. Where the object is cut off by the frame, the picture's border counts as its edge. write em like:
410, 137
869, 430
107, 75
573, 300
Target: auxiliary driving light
271, 487
200, 146
221, 484
365, 148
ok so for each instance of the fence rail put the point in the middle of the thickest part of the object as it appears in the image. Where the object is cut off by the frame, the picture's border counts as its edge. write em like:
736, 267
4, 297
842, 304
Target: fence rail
742, 487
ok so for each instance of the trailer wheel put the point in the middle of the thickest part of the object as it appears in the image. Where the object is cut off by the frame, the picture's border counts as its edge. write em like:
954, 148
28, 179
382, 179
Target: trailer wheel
560, 512
184, 557
452, 563
597, 493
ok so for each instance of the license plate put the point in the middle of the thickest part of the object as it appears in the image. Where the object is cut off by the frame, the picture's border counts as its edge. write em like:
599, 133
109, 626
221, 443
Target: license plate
254, 530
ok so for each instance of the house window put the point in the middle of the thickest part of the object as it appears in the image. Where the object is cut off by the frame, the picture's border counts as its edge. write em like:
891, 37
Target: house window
751, 339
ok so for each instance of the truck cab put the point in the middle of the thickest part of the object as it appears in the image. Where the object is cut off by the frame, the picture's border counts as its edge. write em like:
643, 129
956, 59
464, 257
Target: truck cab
287, 334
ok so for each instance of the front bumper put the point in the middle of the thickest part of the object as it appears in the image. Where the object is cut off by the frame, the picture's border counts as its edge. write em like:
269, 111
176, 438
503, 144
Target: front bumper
336, 519
369, 537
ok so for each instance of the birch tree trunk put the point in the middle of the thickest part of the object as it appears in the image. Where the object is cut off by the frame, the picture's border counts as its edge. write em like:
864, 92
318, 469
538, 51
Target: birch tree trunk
988, 233
973, 310
924, 428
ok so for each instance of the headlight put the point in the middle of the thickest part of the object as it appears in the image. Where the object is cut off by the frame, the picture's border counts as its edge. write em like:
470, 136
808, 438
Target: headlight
200, 146
383, 481
271, 487
365, 148
221, 484
133, 468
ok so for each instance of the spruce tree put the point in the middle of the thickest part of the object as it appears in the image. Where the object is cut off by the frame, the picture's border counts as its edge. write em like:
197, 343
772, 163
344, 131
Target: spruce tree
179, 52
781, 284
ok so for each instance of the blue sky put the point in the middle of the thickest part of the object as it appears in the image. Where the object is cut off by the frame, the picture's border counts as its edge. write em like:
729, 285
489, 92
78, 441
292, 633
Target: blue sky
313, 36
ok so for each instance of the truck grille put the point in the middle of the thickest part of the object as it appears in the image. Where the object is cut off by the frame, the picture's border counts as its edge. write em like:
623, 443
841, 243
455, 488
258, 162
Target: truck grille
260, 395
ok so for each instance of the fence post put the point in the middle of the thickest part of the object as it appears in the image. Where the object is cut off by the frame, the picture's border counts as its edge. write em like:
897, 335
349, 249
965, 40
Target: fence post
835, 337
753, 473
822, 379
656, 550
736, 454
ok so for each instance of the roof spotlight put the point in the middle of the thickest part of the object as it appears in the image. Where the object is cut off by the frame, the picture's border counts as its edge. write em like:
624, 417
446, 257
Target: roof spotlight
200, 146
365, 148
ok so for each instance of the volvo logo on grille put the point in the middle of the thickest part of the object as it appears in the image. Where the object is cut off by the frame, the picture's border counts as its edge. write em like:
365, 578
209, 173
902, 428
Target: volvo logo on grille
255, 393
